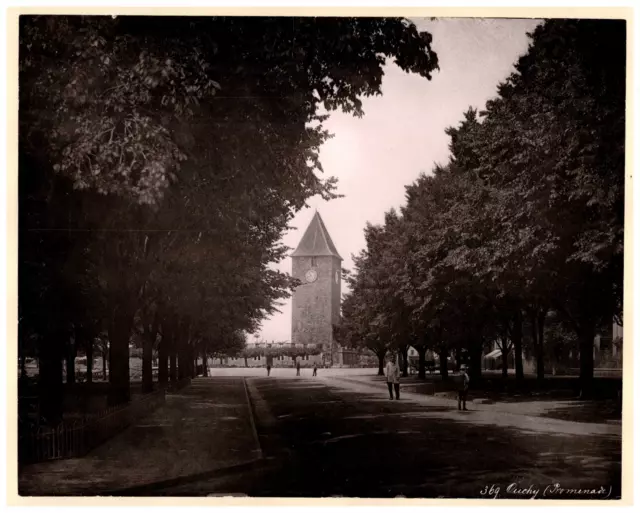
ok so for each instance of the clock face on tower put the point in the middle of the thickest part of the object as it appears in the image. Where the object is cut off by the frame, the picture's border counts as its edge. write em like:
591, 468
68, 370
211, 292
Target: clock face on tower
311, 276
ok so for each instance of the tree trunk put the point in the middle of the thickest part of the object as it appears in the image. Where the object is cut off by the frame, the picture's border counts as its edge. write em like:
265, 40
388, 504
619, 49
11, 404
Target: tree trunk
88, 345
50, 387
173, 365
422, 351
381, 355
586, 337
72, 349
540, 322
193, 361
163, 361
505, 359
185, 360
149, 340
443, 353
119, 333
405, 360
21, 355
517, 346
475, 360
147, 363
23, 366
104, 365
182, 364
172, 350
183, 340
536, 337
205, 367
179, 351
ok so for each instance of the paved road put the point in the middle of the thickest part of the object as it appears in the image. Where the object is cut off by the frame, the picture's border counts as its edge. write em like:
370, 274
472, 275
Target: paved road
321, 438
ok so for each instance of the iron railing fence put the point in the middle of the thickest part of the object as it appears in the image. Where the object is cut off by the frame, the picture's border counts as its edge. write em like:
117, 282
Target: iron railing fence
75, 439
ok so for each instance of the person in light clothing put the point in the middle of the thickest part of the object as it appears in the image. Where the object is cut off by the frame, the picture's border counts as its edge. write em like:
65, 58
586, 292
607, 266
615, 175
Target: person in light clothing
463, 388
393, 377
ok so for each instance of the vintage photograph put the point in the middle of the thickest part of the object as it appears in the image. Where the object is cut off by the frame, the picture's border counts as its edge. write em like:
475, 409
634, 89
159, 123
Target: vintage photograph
320, 256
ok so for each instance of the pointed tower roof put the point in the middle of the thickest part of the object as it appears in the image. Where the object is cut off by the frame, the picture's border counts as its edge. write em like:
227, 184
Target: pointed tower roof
316, 240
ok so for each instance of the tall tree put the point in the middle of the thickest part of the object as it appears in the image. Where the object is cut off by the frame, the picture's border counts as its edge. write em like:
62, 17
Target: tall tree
152, 119
565, 112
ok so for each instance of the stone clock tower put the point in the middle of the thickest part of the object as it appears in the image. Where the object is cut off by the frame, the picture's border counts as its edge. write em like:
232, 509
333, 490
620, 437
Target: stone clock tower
316, 302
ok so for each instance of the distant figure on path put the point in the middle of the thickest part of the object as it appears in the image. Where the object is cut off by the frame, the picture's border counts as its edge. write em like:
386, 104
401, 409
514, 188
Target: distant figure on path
315, 369
298, 368
393, 377
463, 388
268, 370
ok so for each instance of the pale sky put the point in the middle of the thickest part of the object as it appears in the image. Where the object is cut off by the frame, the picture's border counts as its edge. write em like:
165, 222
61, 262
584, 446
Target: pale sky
402, 134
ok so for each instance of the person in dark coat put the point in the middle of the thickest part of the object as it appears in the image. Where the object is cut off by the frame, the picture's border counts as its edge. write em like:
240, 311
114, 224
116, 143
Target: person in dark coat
298, 368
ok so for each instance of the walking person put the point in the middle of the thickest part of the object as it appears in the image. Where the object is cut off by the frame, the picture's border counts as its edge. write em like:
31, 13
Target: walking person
268, 369
315, 369
393, 377
298, 368
463, 388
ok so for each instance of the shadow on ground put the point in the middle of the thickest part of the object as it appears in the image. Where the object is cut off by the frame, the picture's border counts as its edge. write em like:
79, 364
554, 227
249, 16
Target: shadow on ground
323, 441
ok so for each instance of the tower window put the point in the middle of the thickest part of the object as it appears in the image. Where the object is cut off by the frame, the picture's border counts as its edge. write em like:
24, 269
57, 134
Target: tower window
313, 261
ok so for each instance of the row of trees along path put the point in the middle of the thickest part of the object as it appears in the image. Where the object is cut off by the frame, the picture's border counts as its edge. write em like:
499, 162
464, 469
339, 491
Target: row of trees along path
161, 159
520, 234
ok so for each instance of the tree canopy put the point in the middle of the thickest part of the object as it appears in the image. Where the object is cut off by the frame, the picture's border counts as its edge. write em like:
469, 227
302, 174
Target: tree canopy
162, 159
524, 221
